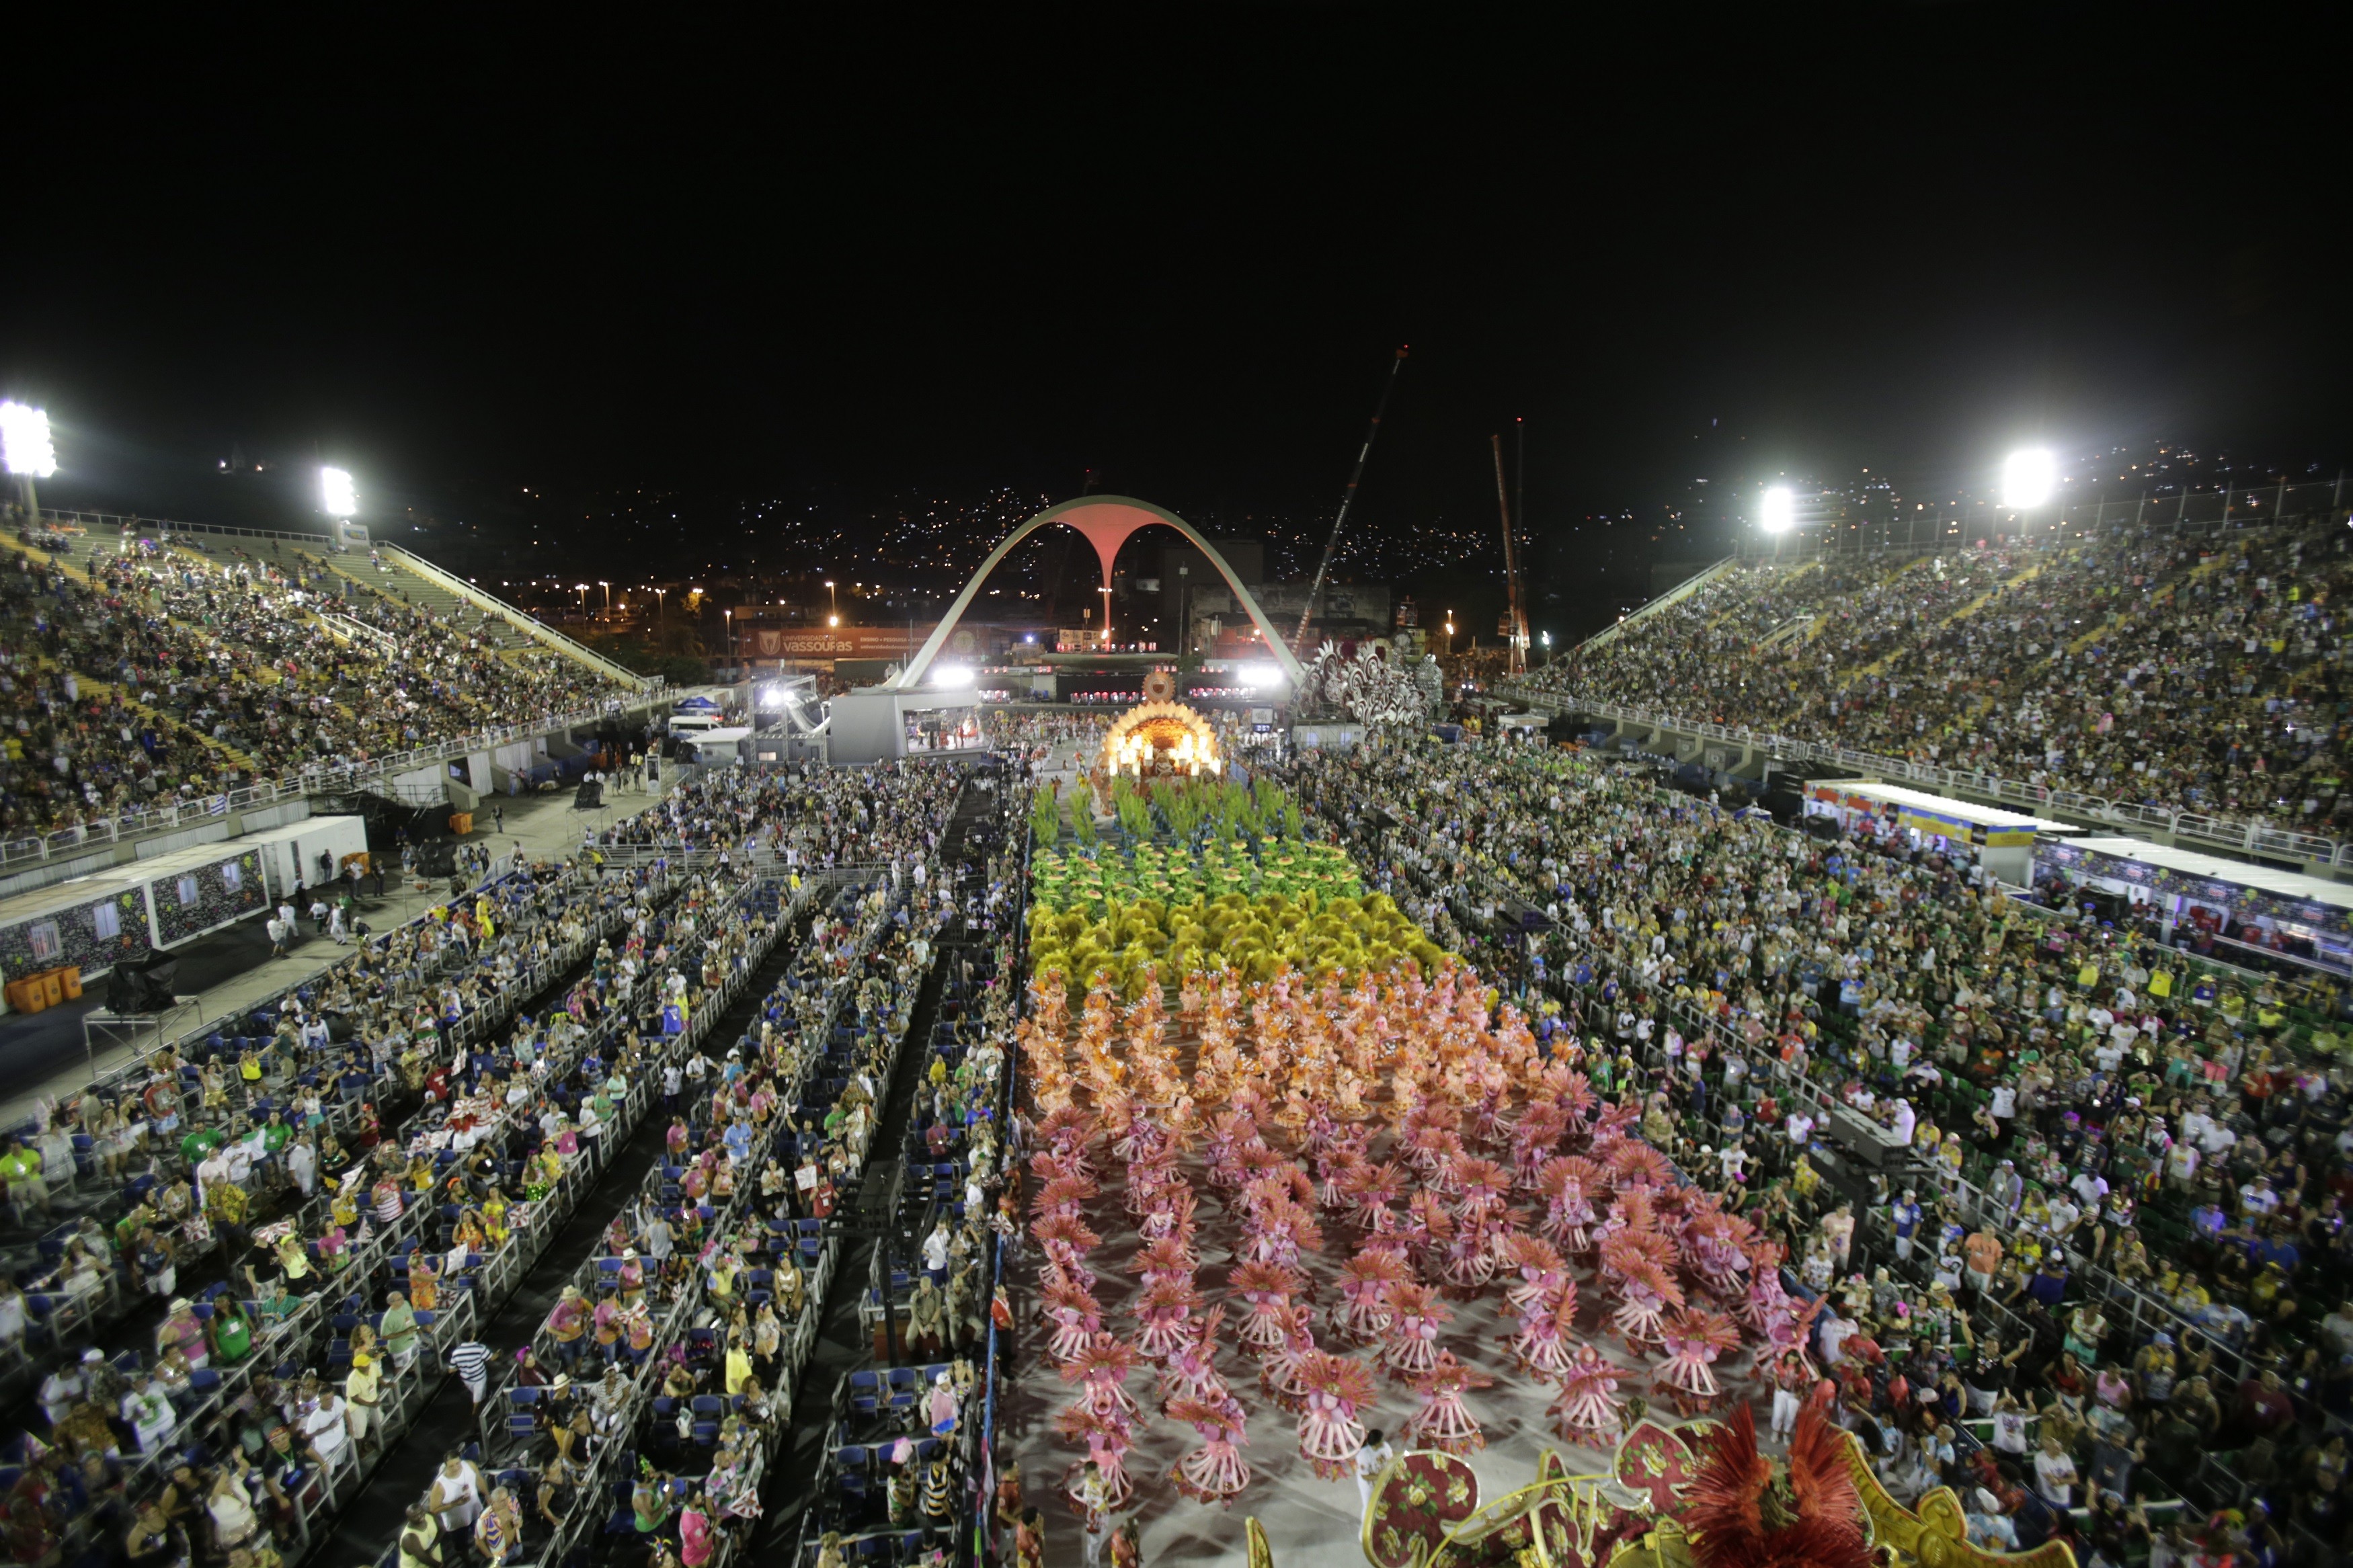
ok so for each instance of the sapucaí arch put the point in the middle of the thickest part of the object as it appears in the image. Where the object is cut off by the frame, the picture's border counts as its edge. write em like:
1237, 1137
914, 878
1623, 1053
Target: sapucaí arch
1107, 521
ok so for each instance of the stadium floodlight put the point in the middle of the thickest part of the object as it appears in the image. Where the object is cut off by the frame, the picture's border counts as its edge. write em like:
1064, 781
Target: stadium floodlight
951, 675
25, 439
1780, 514
337, 497
1258, 676
2028, 477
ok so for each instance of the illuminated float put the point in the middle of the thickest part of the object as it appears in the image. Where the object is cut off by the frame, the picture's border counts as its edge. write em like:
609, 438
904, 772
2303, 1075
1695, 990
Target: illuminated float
1160, 740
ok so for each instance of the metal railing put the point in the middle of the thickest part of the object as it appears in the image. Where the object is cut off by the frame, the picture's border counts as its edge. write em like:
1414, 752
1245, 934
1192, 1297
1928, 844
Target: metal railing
1672, 597
350, 627
164, 527
608, 1467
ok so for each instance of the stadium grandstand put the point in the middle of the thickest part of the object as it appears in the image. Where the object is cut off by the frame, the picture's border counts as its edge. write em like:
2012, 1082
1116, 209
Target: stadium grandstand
273, 1253
2150, 672
966, 1158
183, 663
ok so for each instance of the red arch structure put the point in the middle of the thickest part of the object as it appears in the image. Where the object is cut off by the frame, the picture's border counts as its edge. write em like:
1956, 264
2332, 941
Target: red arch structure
1108, 522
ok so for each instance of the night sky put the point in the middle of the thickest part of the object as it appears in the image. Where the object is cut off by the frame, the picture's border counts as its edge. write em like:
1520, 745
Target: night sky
1179, 252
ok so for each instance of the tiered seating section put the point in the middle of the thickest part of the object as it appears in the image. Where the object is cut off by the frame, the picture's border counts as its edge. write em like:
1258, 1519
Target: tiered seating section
2198, 672
453, 1208
136, 675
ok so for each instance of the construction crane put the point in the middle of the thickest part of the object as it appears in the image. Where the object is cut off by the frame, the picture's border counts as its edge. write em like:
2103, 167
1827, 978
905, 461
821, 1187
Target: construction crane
1518, 639
1347, 498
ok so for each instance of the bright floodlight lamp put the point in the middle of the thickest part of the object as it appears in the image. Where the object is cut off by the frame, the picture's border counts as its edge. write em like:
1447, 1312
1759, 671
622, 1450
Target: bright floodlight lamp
24, 441
336, 496
1259, 676
2027, 479
951, 675
1780, 509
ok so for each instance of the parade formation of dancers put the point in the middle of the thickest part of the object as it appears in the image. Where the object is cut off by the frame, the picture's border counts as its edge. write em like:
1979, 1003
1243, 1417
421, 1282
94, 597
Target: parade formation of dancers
1337, 1170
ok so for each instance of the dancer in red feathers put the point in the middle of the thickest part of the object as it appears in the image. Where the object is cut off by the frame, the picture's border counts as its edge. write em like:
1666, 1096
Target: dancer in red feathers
1744, 1510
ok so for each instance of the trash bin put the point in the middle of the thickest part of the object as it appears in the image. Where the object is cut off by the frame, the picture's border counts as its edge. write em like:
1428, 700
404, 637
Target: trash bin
70, 978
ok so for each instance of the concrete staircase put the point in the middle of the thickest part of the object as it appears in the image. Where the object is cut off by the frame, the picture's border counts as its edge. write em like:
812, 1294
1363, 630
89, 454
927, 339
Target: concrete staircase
93, 686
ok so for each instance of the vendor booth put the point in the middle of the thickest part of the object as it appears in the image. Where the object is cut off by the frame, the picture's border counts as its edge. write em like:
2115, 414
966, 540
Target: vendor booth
2000, 841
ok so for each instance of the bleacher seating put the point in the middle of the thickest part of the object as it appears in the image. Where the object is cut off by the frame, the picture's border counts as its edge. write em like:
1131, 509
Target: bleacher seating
173, 670
2188, 671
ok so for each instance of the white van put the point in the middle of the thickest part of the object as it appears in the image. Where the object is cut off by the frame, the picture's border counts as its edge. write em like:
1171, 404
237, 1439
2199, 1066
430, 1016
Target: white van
687, 726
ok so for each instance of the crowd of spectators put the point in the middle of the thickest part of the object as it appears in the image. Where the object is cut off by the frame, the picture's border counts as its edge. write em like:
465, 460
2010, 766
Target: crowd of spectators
1035, 734
806, 817
216, 673
411, 1220
2202, 672
907, 1452
2092, 1111
419, 1217
690, 1292
284, 1089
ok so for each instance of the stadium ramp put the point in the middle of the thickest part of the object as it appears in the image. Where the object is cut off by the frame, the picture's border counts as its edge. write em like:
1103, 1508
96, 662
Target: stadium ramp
405, 575
462, 595
1672, 597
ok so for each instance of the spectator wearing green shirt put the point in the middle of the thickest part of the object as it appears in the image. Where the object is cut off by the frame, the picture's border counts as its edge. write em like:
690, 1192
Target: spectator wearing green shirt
20, 1168
399, 1330
231, 1332
199, 1143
